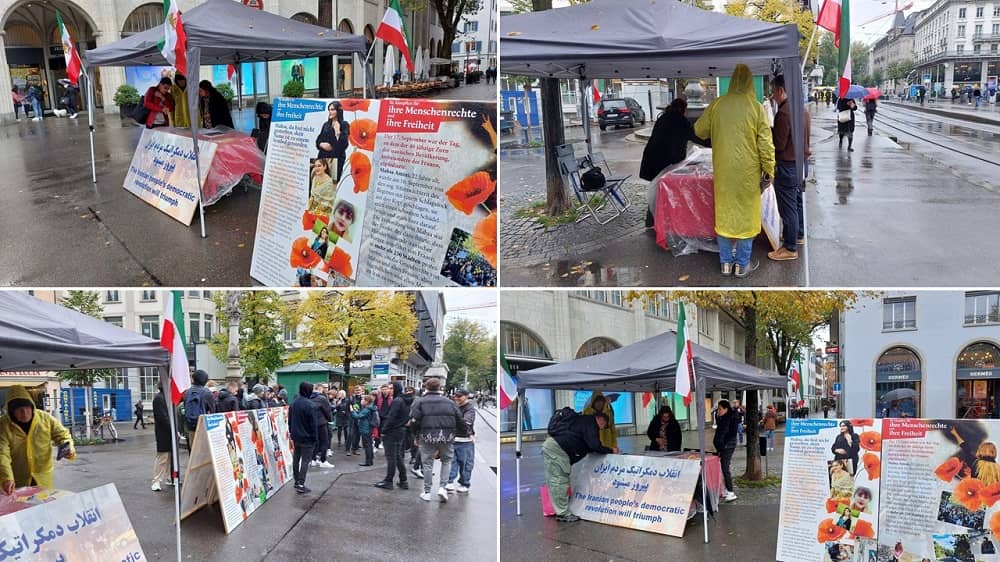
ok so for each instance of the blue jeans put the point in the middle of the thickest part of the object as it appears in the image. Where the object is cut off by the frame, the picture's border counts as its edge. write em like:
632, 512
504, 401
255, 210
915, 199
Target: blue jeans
770, 438
742, 250
739, 434
789, 196
36, 107
465, 458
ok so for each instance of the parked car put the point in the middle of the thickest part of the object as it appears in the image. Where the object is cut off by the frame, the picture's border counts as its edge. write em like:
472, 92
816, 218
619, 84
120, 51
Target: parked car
620, 111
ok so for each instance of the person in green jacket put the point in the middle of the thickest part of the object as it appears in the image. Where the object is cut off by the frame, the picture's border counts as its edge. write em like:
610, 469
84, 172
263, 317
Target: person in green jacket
363, 414
26, 439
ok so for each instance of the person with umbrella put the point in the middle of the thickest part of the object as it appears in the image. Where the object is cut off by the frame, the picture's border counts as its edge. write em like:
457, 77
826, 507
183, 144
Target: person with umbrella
871, 107
845, 121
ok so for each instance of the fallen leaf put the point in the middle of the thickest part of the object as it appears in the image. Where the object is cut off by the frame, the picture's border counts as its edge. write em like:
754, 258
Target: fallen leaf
683, 277
564, 275
595, 27
241, 245
513, 33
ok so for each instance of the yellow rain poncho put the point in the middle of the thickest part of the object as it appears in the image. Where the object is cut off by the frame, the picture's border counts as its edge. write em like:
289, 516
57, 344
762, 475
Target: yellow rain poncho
608, 435
26, 457
181, 116
742, 150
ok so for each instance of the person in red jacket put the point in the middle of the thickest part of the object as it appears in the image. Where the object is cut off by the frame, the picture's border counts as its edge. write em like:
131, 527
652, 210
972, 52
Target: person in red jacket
160, 104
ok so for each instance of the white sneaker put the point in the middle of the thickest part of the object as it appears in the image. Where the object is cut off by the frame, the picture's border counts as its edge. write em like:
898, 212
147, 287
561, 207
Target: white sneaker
156, 486
730, 496
325, 464
443, 494
313, 463
169, 482
419, 473
462, 489
73, 116
450, 487
426, 496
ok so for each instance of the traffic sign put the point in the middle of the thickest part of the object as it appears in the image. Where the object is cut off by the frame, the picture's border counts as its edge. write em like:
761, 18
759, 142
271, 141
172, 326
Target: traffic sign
380, 369
836, 388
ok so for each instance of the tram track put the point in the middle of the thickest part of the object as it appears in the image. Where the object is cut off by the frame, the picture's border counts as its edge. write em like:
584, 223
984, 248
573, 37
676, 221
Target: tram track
923, 136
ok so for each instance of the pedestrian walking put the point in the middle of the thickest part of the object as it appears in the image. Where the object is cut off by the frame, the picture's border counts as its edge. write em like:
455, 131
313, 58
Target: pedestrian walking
18, 99
742, 155
34, 97
465, 445
322, 426
302, 421
342, 417
978, 95
769, 423
393, 431
353, 444
162, 467
364, 415
871, 107
69, 98
26, 439
383, 401
436, 419
725, 443
740, 414
198, 400
138, 416
845, 122
409, 395
572, 437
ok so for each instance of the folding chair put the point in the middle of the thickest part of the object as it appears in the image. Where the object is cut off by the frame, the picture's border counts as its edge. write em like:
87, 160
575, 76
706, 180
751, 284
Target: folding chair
620, 196
571, 167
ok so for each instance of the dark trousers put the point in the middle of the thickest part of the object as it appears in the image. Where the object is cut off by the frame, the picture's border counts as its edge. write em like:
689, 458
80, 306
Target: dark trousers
139, 419
788, 194
71, 105
394, 456
355, 441
726, 458
366, 443
300, 462
342, 433
323, 444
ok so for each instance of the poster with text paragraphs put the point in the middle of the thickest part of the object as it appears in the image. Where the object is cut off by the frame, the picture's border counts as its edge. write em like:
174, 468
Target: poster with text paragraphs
90, 526
378, 193
163, 172
646, 493
830, 491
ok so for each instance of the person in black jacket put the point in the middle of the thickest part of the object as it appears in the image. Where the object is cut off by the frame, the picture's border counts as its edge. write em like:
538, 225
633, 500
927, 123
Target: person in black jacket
227, 401
161, 427
664, 432
353, 444
342, 413
416, 467
435, 419
302, 416
255, 400
138, 416
560, 452
847, 445
214, 107
393, 432
725, 443
322, 428
669, 140
332, 140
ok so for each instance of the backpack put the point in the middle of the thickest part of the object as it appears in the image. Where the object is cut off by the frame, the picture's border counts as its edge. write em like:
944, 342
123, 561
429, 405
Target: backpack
193, 407
375, 419
561, 421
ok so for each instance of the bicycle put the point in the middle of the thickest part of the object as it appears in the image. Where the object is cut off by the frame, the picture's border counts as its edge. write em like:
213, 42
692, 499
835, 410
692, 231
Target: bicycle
107, 422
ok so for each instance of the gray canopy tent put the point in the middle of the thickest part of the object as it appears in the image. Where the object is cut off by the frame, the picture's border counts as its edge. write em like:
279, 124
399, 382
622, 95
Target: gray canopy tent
644, 39
649, 365
221, 32
39, 336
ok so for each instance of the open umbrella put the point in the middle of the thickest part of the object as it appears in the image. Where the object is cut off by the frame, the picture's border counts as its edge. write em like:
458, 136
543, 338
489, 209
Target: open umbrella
873, 93
855, 92
899, 394
389, 67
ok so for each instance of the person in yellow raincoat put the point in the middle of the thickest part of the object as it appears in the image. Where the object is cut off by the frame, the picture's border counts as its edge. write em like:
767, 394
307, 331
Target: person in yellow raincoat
26, 439
181, 116
599, 403
742, 154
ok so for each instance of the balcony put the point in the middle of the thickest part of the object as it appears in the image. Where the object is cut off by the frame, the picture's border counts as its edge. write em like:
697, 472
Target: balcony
986, 36
942, 56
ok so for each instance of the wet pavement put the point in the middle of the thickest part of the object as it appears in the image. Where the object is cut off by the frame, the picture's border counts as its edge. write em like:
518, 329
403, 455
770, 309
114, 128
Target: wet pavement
746, 529
343, 516
888, 214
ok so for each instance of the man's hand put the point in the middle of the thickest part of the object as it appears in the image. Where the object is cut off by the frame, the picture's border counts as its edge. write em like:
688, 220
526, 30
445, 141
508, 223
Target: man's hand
8, 487
71, 455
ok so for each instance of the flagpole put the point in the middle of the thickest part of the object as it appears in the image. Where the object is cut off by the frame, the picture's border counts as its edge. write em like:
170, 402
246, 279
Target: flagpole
90, 125
174, 469
365, 66
517, 448
809, 47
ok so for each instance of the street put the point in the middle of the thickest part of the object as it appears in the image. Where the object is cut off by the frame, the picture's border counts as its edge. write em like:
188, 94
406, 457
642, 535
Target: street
342, 516
900, 213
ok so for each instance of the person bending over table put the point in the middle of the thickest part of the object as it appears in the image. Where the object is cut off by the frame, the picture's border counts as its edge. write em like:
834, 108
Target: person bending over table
664, 432
566, 448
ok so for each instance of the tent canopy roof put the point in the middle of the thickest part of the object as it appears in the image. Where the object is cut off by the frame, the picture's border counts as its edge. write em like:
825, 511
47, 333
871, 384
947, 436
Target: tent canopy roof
36, 335
647, 366
228, 32
310, 366
640, 39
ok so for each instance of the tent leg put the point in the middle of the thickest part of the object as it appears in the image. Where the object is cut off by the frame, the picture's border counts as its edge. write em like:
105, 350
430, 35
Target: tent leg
585, 110
517, 449
174, 470
700, 412
90, 124
364, 65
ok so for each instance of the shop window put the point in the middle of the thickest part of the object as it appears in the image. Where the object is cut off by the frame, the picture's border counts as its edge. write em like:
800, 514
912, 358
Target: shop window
898, 379
899, 313
978, 381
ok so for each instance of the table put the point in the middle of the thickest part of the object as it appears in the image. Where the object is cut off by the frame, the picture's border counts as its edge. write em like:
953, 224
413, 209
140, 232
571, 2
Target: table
715, 486
685, 203
236, 155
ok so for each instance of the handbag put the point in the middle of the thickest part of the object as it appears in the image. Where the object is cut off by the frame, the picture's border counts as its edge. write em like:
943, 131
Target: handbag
844, 116
593, 179
141, 113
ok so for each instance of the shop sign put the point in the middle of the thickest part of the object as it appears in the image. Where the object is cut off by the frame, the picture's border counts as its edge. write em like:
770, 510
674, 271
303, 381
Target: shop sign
969, 374
898, 376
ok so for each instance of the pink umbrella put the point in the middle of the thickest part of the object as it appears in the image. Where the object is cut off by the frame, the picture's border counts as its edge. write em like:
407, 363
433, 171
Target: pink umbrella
873, 93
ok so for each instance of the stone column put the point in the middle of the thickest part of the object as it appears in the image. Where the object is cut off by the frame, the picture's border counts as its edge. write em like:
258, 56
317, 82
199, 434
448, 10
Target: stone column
6, 103
983, 76
233, 371
111, 76
949, 77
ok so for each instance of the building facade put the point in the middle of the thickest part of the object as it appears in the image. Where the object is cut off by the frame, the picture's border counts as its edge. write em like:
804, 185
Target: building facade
475, 45
539, 328
893, 47
31, 49
932, 354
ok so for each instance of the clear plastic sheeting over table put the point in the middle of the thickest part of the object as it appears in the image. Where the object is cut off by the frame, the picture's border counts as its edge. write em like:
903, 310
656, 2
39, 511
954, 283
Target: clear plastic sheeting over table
237, 155
684, 215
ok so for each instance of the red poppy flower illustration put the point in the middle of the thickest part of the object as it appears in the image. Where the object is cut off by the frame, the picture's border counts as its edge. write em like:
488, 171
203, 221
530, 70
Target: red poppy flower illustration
355, 104
864, 529
861, 422
995, 524
990, 494
829, 531
361, 170
484, 235
471, 191
832, 503
872, 465
340, 262
363, 134
967, 493
871, 441
948, 469
302, 255
309, 220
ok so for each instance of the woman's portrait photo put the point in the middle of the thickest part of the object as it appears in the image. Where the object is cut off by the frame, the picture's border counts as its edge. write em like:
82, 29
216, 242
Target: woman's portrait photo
321, 244
322, 186
333, 137
342, 219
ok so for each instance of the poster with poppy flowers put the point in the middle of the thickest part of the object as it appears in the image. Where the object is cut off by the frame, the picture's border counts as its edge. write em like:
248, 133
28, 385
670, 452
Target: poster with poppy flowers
378, 193
830, 492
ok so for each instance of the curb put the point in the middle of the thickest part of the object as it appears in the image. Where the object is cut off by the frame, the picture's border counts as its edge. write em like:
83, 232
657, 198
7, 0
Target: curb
946, 113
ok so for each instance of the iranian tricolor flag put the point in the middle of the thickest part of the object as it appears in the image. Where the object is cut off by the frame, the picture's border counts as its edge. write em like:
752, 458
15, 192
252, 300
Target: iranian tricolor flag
172, 338
685, 357
508, 388
393, 32
174, 43
835, 16
74, 67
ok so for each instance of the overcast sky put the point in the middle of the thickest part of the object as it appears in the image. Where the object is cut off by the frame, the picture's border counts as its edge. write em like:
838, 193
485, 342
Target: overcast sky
456, 298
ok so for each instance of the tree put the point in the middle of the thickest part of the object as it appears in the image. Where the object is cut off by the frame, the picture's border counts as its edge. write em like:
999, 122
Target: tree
777, 11
878, 77
828, 58
338, 327
782, 321
86, 302
470, 346
859, 60
261, 347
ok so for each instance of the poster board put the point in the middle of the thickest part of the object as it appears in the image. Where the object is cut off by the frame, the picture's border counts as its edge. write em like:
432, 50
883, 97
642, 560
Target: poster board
639, 492
163, 172
90, 526
240, 459
416, 177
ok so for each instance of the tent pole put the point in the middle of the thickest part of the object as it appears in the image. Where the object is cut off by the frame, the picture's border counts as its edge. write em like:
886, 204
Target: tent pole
517, 448
194, 58
174, 470
90, 122
585, 110
700, 412
364, 64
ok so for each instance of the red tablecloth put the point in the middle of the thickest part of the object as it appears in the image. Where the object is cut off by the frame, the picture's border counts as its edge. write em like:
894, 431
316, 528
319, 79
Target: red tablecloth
685, 206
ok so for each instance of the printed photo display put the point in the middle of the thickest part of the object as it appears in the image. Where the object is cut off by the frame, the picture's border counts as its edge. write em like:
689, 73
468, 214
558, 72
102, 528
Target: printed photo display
379, 193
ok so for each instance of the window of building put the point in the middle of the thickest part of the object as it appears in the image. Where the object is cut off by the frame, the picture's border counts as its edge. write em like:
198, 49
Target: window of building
456, 48
961, 31
897, 383
996, 29
979, 12
194, 327
142, 18
660, 307
207, 295
149, 378
471, 26
982, 307
209, 327
518, 341
899, 313
978, 380
119, 379
525, 351
148, 296
595, 346
977, 48
959, 49
150, 326
706, 322
978, 29
993, 48
996, 11
289, 331
193, 294
724, 331
111, 297
116, 320
961, 13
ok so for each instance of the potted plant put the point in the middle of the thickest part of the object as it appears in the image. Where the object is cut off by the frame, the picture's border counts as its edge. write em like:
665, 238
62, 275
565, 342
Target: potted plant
458, 77
293, 89
127, 99
227, 92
